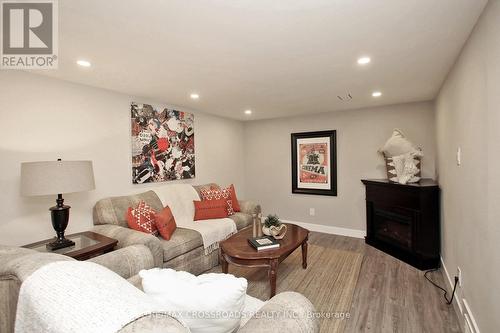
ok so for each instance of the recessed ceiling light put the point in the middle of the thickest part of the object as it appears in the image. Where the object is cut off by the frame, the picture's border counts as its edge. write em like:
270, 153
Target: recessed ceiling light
83, 63
376, 94
248, 112
194, 96
364, 60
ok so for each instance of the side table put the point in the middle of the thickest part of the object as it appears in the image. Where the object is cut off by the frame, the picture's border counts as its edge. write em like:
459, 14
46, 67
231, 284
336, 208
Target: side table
88, 244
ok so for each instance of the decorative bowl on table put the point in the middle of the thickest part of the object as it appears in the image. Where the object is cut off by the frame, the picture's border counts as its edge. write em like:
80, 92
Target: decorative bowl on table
273, 227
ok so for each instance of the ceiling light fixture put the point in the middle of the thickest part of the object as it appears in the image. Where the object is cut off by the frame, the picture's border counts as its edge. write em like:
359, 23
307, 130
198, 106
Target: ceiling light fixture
194, 96
83, 63
364, 60
248, 112
376, 94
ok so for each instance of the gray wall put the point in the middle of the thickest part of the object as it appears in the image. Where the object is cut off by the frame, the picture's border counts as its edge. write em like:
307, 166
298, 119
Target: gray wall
468, 116
360, 133
43, 119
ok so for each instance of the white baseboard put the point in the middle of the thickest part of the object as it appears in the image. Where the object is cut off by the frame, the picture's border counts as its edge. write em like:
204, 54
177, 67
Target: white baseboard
469, 317
451, 284
465, 315
330, 229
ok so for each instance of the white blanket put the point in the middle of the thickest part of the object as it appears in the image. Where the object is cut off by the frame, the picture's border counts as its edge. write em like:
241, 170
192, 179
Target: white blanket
180, 197
76, 296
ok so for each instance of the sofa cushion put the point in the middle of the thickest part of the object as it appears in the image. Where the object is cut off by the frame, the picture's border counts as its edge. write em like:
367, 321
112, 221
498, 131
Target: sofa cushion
188, 295
194, 261
165, 223
218, 194
182, 241
113, 210
210, 209
142, 218
242, 220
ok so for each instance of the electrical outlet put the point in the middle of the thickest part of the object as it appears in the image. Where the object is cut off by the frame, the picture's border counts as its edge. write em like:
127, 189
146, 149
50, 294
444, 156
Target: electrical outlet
459, 156
312, 211
459, 275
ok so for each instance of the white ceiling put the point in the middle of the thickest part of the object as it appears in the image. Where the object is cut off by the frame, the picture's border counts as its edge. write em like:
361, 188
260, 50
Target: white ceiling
276, 57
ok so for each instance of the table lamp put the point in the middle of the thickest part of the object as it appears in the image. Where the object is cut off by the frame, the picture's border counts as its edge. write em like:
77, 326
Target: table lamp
57, 177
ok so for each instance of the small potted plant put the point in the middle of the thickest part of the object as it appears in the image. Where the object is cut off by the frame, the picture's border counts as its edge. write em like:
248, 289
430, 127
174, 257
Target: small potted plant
273, 227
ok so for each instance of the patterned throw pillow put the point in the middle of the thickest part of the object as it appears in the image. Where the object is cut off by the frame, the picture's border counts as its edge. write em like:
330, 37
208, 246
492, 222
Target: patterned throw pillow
208, 194
142, 218
392, 173
165, 223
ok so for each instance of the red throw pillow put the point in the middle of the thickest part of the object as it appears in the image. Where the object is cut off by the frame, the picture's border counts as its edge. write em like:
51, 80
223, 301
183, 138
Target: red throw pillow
210, 209
142, 218
236, 204
165, 223
209, 194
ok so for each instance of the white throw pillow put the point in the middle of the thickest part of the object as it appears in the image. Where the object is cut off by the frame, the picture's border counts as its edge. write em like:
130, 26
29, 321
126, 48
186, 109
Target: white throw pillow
208, 303
397, 145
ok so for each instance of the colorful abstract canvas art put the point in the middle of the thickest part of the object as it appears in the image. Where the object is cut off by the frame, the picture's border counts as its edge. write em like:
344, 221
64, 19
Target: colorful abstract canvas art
162, 144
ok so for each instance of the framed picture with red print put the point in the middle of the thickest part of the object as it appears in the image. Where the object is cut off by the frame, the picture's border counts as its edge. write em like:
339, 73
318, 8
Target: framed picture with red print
314, 163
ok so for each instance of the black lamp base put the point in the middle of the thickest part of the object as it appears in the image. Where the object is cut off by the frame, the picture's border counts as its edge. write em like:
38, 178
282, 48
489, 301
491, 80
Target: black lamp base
59, 244
60, 218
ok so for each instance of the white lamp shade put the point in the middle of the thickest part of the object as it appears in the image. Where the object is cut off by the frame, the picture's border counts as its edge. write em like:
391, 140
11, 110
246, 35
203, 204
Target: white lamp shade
56, 177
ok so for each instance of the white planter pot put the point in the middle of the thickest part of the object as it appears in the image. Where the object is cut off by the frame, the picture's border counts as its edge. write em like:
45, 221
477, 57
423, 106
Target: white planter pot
266, 231
276, 232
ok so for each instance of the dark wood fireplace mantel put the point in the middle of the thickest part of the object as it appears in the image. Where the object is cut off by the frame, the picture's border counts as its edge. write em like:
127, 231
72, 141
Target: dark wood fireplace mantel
403, 220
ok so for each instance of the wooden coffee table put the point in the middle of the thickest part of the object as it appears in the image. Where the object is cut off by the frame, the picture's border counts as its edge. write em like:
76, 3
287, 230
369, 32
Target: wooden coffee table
237, 251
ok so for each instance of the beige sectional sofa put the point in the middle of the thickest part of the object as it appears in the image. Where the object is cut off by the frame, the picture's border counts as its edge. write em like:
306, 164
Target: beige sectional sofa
184, 251
17, 264
136, 251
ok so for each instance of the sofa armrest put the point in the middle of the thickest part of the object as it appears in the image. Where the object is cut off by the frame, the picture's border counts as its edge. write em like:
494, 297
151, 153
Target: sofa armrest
288, 312
17, 264
127, 237
127, 261
249, 207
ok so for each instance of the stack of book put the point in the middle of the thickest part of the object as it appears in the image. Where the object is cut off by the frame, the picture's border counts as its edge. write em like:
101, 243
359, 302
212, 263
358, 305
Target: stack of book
264, 243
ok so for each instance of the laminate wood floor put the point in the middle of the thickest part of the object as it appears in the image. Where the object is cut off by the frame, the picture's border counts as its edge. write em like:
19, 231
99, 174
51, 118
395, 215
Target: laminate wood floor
391, 296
